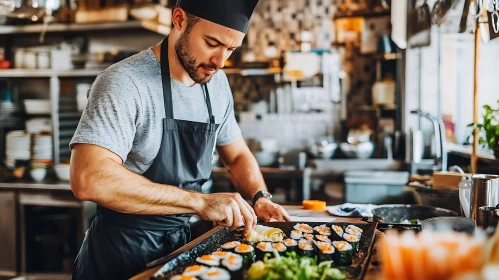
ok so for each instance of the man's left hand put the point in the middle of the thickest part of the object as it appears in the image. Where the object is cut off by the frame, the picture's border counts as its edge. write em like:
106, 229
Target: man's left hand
269, 211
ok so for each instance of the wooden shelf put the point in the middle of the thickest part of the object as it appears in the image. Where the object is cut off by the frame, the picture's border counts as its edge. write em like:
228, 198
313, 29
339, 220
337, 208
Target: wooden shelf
59, 27
47, 73
363, 14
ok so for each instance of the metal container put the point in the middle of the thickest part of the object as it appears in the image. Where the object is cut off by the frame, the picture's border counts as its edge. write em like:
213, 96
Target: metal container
488, 216
484, 192
457, 224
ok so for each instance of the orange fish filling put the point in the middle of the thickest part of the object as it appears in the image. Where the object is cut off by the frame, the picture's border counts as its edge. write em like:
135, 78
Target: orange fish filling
194, 268
262, 246
208, 258
213, 273
244, 247
341, 245
279, 246
221, 254
303, 245
187, 277
309, 236
326, 248
305, 228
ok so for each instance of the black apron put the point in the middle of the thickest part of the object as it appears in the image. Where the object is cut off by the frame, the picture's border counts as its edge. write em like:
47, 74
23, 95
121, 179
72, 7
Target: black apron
119, 245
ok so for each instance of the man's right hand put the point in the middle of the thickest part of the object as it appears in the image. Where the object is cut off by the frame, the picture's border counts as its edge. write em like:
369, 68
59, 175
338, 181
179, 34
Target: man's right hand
227, 209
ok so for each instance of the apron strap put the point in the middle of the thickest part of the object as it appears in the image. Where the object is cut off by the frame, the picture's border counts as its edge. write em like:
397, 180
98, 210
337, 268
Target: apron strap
165, 79
167, 88
208, 103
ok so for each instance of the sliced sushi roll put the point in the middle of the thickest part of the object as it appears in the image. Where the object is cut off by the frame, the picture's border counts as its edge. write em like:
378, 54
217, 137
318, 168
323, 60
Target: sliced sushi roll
280, 248
195, 270
353, 240
320, 244
183, 277
230, 246
216, 273
306, 249
351, 229
337, 233
263, 248
304, 228
343, 253
208, 260
322, 230
322, 238
304, 241
309, 236
291, 244
326, 253
247, 252
235, 266
296, 234
221, 254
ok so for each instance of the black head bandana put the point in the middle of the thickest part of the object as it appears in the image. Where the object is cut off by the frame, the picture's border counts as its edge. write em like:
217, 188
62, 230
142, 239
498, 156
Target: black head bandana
234, 14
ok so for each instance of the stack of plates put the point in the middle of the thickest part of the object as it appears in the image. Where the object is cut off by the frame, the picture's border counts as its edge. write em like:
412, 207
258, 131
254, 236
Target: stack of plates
42, 147
17, 147
7, 108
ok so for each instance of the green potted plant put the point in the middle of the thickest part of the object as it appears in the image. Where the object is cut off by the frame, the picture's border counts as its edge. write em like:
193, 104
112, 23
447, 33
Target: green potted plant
489, 129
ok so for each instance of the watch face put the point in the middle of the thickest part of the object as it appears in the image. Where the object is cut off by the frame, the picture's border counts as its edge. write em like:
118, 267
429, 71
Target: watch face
267, 195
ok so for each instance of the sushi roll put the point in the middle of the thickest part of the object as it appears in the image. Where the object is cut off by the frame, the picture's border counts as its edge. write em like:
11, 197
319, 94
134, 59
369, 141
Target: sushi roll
263, 248
351, 229
183, 277
353, 240
304, 241
216, 273
337, 233
247, 252
221, 254
322, 230
322, 238
304, 228
343, 253
280, 248
291, 244
326, 253
195, 270
230, 246
208, 260
320, 244
296, 234
306, 249
234, 264
309, 236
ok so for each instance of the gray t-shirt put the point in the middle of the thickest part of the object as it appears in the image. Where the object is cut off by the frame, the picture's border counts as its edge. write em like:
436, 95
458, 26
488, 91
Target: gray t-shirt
125, 110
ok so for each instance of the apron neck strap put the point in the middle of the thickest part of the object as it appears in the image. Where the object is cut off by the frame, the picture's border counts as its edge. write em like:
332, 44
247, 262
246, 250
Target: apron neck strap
167, 87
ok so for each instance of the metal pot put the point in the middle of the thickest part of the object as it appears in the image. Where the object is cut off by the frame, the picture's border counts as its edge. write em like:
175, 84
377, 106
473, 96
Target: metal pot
457, 224
488, 216
393, 214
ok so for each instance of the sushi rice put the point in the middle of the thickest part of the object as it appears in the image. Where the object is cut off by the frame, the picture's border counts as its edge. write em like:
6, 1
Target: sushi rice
263, 248
291, 244
230, 246
279, 247
351, 229
338, 233
322, 238
326, 253
195, 270
208, 260
306, 249
216, 273
247, 252
296, 234
309, 236
235, 266
353, 240
183, 277
221, 254
320, 244
322, 230
304, 228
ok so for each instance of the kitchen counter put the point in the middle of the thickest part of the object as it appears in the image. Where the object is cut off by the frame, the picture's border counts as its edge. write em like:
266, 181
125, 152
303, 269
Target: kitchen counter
52, 186
298, 214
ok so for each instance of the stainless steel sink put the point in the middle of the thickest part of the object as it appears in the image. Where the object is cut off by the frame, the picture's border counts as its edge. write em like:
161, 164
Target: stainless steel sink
340, 166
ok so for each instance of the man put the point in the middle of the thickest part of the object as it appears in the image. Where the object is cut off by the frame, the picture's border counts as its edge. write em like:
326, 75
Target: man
144, 145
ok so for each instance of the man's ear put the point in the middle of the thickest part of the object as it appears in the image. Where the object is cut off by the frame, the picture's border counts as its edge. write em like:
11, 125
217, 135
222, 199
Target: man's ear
179, 19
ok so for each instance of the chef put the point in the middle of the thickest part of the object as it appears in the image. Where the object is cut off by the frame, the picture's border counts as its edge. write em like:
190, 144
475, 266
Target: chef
144, 145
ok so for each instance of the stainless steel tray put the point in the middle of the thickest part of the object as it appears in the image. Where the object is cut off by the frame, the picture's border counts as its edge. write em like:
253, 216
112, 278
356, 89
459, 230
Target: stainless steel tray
187, 255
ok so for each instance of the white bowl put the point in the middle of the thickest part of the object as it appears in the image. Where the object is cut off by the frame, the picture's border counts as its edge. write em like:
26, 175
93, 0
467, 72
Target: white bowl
38, 174
37, 106
62, 171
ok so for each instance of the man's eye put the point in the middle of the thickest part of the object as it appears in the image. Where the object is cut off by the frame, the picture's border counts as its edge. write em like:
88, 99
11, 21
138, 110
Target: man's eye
211, 45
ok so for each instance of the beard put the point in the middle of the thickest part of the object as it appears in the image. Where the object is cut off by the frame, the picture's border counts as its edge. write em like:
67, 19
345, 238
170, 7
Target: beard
184, 54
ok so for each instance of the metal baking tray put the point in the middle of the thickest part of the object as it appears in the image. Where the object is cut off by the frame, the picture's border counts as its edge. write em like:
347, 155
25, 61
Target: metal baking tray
187, 255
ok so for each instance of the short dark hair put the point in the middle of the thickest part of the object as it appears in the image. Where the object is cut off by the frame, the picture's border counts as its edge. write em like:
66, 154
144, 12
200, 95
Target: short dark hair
191, 21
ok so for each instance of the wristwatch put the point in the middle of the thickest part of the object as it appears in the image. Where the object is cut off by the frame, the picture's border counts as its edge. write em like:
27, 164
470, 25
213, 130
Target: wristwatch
260, 194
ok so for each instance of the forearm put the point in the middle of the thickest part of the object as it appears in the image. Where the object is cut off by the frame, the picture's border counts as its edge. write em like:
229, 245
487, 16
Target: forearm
246, 176
113, 186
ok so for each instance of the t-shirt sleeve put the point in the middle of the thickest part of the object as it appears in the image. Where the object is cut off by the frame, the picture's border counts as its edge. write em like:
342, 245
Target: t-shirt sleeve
111, 115
229, 129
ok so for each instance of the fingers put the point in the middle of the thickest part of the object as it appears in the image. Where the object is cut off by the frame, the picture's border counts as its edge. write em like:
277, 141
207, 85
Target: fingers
229, 217
238, 220
247, 213
285, 214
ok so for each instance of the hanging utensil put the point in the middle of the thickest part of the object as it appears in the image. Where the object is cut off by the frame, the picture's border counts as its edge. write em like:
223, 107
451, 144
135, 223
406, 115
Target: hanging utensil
439, 11
420, 28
